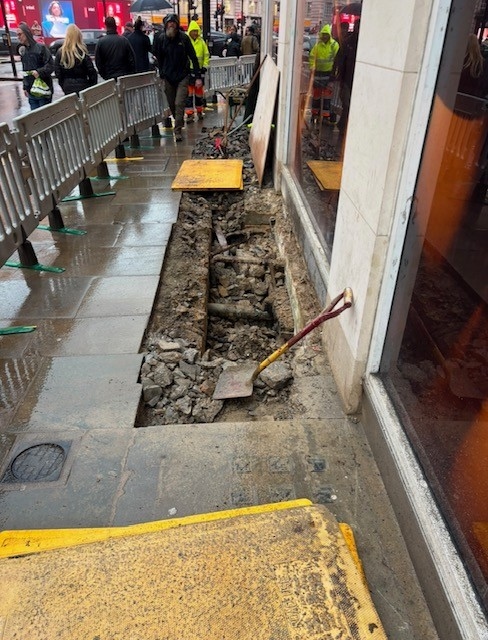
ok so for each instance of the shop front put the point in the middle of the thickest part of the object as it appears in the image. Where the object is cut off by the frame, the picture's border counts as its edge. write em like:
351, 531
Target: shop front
393, 202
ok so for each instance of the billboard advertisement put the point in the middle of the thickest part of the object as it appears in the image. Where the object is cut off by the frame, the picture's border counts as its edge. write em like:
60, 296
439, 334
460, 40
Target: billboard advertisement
56, 16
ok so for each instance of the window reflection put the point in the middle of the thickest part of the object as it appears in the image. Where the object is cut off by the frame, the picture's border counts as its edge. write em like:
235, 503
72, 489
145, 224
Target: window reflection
327, 65
440, 379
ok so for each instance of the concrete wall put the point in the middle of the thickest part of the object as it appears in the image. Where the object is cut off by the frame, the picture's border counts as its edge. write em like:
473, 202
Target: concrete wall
391, 47
392, 44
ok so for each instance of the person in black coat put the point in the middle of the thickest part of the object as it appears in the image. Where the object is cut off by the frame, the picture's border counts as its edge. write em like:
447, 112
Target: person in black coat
174, 52
73, 66
37, 62
114, 56
141, 45
233, 44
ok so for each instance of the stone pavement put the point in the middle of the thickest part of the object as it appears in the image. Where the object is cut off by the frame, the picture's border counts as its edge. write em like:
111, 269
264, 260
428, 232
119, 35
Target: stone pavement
69, 453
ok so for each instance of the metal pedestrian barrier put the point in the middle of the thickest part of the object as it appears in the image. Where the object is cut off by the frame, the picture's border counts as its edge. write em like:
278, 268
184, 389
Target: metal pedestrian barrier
52, 150
246, 68
223, 74
18, 216
105, 124
52, 141
142, 103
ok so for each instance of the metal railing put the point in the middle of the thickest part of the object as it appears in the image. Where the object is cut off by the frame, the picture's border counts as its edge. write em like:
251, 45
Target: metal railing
52, 150
223, 73
18, 217
246, 68
101, 110
142, 101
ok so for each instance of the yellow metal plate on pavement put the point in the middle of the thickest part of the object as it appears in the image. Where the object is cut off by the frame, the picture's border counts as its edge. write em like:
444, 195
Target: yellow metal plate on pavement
327, 173
209, 175
277, 574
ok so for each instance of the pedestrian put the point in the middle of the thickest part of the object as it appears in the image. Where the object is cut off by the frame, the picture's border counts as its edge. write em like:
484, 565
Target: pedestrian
203, 56
474, 74
141, 45
128, 29
73, 66
37, 65
249, 44
114, 56
321, 63
345, 64
177, 61
233, 43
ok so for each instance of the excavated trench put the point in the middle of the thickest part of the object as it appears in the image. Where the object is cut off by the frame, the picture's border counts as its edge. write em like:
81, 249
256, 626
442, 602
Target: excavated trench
233, 289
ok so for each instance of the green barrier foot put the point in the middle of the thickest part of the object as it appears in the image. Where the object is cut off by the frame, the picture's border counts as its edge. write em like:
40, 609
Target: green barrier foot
34, 267
70, 232
12, 330
92, 195
109, 178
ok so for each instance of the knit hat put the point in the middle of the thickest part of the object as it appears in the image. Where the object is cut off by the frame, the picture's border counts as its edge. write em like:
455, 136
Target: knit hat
171, 17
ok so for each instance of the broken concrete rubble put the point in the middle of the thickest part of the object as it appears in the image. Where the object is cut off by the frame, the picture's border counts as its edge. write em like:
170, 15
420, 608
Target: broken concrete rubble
230, 307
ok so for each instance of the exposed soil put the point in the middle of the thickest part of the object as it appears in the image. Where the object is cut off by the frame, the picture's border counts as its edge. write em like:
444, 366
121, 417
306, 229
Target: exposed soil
234, 288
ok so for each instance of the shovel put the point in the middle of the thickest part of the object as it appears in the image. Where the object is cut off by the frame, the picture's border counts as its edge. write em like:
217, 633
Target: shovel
237, 381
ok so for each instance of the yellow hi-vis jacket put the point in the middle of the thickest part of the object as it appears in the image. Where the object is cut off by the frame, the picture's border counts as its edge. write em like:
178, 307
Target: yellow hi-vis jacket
322, 55
199, 45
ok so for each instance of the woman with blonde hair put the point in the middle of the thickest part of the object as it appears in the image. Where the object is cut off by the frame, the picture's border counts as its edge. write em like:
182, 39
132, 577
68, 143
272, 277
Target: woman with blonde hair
73, 66
474, 74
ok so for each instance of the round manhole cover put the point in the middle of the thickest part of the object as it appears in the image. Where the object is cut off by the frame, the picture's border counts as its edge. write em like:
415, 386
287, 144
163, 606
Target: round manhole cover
39, 463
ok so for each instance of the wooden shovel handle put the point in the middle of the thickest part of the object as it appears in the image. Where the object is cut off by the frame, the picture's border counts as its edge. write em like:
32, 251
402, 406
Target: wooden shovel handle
329, 312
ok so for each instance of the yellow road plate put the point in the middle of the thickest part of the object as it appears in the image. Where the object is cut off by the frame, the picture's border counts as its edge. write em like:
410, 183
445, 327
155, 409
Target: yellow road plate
327, 173
209, 175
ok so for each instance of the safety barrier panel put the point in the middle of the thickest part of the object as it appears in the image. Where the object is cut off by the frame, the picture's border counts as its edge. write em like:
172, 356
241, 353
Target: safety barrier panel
52, 140
142, 101
102, 112
52, 150
246, 68
223, 73
18, 217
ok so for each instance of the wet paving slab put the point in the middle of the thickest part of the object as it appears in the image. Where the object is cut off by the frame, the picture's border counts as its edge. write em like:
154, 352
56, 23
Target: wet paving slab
80, 367
159, 473
77, 392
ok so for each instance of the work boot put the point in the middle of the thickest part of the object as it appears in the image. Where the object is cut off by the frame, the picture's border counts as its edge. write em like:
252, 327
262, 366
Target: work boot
178, 136
190, 119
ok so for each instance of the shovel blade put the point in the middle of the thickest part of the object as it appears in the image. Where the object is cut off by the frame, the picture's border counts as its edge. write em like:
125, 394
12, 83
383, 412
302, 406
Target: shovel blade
235, 382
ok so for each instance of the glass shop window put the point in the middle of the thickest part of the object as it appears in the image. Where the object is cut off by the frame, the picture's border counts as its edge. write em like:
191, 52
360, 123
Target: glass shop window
436, 354
327, 63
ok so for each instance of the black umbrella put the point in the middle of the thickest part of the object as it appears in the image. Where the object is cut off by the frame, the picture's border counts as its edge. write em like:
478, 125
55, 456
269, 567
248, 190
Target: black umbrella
353, 9
150, 5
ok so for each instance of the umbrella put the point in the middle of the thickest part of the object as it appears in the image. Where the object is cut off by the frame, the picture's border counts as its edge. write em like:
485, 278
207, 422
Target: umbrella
150, 5
353, 9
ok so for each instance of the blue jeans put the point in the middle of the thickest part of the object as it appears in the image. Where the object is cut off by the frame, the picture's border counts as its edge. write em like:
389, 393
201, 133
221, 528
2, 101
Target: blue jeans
35, 103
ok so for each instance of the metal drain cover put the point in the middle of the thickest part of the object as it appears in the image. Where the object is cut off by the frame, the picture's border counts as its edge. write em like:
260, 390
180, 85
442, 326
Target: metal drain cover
39, 463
